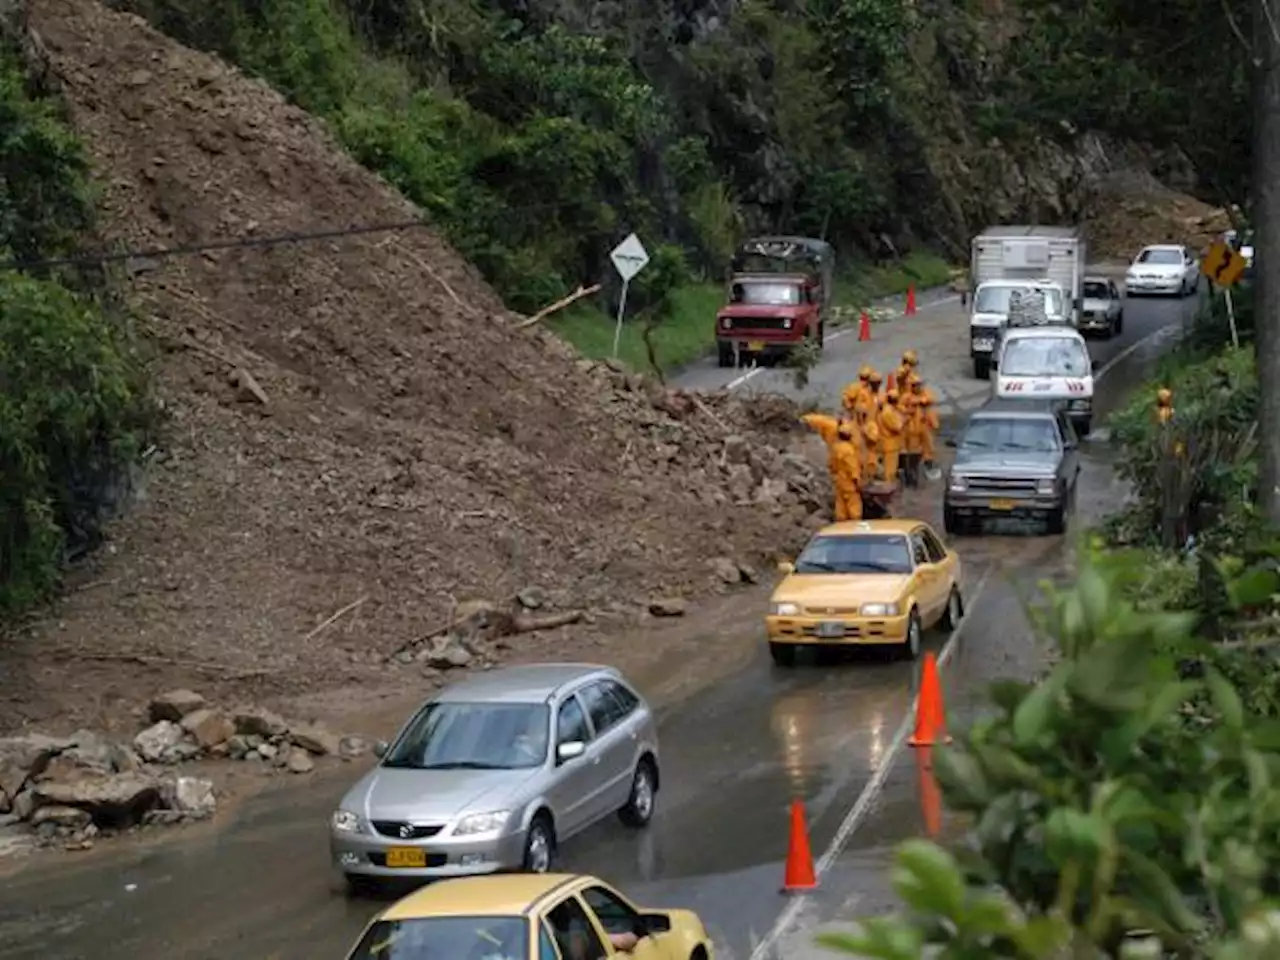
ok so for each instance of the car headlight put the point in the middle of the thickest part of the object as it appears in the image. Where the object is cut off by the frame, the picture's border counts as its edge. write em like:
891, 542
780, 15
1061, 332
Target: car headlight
1046, 487
345, 821
785, 609
482, 822
879, 610
958, 485
786, 323
725, 323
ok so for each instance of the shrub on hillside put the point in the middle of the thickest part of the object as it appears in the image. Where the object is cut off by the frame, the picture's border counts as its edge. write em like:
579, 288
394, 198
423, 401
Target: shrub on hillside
71, 407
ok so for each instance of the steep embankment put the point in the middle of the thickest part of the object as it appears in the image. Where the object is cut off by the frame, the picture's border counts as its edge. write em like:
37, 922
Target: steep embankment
350, 418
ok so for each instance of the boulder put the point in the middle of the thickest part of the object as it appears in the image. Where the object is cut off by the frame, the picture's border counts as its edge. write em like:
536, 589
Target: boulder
300, 761
352, 747
259, 722
314, 739
726, 570
112, 799
175, 705
157, 743
208, 727
68, 818
668, 607
191, 796
448, 653
24, 758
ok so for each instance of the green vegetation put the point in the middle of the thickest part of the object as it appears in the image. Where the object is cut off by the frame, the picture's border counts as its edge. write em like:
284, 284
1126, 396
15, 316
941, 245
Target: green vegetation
71, 412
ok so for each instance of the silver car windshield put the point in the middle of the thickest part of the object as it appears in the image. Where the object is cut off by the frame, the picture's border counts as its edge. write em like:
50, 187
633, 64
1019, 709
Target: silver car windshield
999, 435
446, 938
473, 736
833, 553
996, 299
1160, 257
1093, 290
1045, 357
767, 294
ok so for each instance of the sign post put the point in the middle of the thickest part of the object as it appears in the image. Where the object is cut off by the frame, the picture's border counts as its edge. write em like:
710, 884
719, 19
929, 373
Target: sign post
1224, 267
629, 258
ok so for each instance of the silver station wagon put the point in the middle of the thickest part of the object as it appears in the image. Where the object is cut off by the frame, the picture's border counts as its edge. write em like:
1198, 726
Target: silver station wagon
496, 771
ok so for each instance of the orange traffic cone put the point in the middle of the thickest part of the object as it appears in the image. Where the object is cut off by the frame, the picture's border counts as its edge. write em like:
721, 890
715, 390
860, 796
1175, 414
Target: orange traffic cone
864, 326
931, 721
930, 795
891, 383
800, 875
911, 301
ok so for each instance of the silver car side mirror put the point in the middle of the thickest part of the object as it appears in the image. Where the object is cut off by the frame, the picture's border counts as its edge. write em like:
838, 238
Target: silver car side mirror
380, 749
570, 750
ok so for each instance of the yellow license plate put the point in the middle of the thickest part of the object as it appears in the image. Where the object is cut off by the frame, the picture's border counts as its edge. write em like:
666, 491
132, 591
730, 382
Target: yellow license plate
755, 346
1002, 504
406, 857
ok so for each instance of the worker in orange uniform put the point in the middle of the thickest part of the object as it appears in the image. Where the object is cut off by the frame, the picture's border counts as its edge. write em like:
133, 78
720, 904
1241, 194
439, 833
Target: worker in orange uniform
910, 365
855, 393
847, 474
874, 398
891, 425
927, 406
866, 420
829, 429
909, 407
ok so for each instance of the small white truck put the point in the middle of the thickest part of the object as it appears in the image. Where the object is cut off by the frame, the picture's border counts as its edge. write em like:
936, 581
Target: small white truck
1008, 258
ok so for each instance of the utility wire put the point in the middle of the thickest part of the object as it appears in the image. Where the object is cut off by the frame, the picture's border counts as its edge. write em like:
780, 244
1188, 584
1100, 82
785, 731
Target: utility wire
157, 253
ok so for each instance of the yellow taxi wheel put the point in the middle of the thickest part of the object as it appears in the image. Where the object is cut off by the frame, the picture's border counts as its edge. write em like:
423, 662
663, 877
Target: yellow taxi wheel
784, 654
954, 612
915, 636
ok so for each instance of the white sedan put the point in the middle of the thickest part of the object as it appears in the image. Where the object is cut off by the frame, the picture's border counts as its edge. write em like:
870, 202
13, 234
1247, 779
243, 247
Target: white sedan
1163, 268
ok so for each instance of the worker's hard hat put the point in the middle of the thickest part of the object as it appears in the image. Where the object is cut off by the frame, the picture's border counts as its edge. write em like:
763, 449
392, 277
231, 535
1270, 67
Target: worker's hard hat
892, 395
865, 372
874, 376
1164, 395
845, 432
909, 357
916, 382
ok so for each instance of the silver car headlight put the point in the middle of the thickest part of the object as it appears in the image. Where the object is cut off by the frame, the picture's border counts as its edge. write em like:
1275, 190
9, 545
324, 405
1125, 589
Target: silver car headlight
482, 823
785, 609
344, 821
1046, 487
879, 610
958, 485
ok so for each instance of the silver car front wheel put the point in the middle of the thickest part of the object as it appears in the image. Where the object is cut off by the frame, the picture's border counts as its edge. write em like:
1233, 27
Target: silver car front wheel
539, 847
639, 807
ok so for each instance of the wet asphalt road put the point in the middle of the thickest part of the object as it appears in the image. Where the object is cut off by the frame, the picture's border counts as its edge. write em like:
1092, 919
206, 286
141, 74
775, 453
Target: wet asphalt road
734, 756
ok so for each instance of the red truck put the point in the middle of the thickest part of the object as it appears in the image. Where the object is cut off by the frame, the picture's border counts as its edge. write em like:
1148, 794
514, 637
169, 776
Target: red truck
780, 291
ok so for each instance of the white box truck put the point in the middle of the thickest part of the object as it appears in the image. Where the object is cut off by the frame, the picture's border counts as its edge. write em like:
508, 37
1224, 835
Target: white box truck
1001, 257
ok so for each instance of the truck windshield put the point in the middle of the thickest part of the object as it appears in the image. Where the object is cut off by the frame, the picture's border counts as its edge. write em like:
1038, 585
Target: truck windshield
1045, 357
996, 299
1096, 290
999, 434
767, 294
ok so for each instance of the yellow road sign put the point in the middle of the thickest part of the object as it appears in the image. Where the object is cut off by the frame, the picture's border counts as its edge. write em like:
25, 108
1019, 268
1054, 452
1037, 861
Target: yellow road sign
1223, 265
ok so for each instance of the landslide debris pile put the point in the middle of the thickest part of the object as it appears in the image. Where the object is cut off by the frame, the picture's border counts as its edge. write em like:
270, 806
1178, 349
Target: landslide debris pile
353, 421
1126, 214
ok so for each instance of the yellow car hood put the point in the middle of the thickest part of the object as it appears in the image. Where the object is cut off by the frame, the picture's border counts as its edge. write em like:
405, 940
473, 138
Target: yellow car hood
841, 589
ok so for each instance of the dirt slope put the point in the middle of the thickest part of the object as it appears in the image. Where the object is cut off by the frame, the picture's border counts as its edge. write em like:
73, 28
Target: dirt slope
414, 448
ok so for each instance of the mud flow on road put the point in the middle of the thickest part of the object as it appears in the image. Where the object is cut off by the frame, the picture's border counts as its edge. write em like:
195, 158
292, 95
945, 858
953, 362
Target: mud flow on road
829, 732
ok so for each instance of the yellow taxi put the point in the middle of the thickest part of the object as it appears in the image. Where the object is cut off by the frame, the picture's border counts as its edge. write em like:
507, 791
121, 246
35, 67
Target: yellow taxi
878, 582
542, 916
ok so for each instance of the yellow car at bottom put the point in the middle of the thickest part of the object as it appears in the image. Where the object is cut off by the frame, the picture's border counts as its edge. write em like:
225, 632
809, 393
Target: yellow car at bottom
872, 582
528, 917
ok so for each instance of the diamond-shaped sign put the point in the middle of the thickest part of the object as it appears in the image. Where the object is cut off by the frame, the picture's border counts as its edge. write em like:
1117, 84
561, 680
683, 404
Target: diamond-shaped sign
629, 257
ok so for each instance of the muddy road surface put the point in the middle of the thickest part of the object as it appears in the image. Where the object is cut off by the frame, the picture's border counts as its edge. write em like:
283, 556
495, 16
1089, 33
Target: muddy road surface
260, 886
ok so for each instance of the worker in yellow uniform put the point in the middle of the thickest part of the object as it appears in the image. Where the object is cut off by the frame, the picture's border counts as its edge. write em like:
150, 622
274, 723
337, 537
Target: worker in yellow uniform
829, 429
929, 421
912, 429
855, 393
846, 476
870, 441
1164, 405
891, 425
910, 365
874, 398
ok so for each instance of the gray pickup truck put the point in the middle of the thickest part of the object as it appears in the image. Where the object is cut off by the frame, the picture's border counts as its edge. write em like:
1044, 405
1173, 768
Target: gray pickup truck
1015, 458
